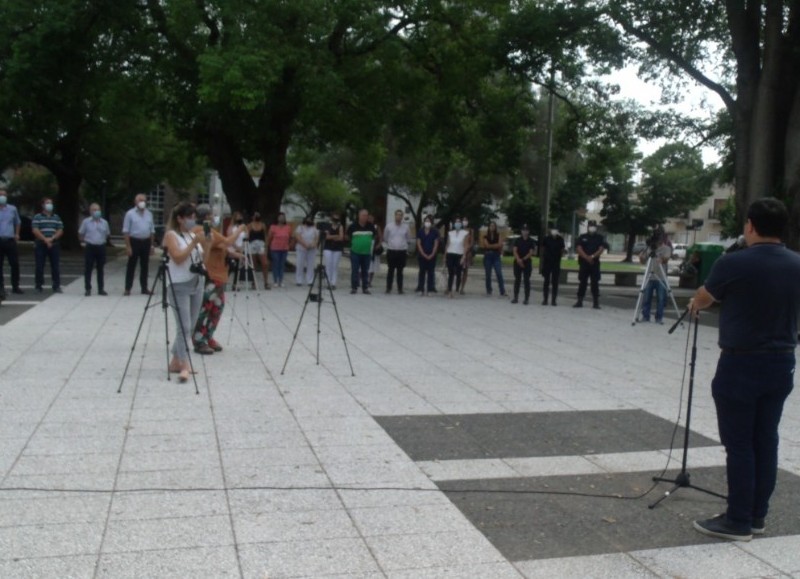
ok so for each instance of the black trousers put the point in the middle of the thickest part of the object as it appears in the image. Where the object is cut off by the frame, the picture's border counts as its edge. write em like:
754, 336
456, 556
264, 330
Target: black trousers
140, 250
589, 272
95, 255
551, 273
427, 270
8, 249
455, 266
396, 261
522, 275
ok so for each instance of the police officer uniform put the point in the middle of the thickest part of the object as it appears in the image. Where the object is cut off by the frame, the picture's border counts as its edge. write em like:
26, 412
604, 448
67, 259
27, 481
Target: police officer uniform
590, 245
552, 250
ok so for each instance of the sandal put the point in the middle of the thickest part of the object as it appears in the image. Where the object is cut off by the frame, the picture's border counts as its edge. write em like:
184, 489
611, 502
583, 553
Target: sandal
204, 349
183, 376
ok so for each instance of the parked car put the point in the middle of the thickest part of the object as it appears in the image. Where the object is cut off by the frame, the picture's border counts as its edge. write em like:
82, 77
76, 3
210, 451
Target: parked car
679, 251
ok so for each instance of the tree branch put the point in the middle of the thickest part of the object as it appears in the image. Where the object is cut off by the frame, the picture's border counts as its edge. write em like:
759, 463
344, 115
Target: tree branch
213, 27
666, 52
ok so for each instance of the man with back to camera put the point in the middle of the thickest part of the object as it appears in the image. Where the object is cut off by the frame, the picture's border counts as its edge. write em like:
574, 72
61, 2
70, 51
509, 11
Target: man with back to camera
139, 231
590, 247
759, 297
10, 223
553, 249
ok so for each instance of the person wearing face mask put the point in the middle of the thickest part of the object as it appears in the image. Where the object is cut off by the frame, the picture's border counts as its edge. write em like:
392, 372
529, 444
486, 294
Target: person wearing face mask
397, 234
257, 233
186, 284
553, 249
454, 255
332, 249
139, 231
280, 234
215, 258
306, 241
590, 247
362, 235
94, 232
523, 265
47, 230
427, 248
492, 246
10, 223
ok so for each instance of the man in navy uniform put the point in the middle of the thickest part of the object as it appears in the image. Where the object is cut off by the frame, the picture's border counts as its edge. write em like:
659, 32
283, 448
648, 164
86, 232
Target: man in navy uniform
590, 247
759, 296
553, 249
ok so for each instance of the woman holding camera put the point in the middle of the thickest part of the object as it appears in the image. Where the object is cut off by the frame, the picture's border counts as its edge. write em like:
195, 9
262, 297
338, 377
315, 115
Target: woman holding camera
186, 277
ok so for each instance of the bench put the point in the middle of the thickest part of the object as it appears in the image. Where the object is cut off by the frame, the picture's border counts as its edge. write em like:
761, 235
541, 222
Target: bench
625, 278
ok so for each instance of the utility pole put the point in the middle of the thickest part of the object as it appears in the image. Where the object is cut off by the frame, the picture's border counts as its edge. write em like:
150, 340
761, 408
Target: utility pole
548, 176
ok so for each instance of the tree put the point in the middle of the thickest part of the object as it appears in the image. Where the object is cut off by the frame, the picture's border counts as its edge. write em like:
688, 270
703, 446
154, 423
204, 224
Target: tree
69, 100
748, 54
315, 190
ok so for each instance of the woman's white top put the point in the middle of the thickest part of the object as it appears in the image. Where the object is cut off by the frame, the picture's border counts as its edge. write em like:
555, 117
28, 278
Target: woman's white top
307, 233
179, 272
456, 239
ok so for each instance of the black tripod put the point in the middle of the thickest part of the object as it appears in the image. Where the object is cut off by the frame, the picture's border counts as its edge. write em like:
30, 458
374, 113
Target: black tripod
320, 275
682, 480
163, 276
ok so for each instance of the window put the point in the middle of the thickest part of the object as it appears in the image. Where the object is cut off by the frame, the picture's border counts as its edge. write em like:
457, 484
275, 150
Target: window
155, 202
719, 205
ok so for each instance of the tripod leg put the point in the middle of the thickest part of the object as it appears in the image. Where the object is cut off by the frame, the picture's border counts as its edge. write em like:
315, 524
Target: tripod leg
338, 320
159, 275
297, 329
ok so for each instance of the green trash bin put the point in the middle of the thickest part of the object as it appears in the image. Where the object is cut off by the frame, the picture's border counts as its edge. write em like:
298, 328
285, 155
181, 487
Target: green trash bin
702, 256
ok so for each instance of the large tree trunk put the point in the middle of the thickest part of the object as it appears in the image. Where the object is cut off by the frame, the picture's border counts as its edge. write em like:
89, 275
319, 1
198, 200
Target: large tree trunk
68, 204
226, 158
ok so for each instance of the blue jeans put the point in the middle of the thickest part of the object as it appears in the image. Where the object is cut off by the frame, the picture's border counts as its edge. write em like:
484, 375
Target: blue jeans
491, 261
749, 391
278, 264
661, 299
42, 252
359, 265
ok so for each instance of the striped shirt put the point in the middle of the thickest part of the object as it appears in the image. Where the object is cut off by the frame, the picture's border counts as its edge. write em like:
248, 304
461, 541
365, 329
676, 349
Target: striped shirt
47, 224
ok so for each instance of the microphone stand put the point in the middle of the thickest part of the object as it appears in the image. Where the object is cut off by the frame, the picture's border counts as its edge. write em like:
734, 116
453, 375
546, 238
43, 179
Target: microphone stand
683, 480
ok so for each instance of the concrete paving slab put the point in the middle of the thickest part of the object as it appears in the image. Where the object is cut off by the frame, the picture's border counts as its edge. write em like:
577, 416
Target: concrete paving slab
695, 562
168, 563
167, 533
319, 557
50, 540
77, 566
614, 566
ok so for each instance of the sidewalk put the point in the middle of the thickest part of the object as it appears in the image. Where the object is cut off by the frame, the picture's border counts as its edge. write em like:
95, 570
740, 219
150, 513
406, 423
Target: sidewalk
435, 460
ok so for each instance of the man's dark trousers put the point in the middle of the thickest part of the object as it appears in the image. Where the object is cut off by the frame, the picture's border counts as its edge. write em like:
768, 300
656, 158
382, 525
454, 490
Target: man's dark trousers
8, 249
589, 272
53, 253
396, 261
140, 250
427, 270
749, 390
359, 263
94, 255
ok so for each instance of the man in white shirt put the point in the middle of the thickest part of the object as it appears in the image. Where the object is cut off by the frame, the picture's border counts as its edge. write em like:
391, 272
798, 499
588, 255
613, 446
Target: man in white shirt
397, 236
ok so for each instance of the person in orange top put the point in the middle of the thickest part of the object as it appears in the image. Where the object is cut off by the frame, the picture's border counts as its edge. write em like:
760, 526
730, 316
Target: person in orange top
216, 262
278, 241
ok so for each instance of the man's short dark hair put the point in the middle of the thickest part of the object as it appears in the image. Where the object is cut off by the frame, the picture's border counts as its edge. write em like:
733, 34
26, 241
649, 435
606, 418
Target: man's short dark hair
769, 217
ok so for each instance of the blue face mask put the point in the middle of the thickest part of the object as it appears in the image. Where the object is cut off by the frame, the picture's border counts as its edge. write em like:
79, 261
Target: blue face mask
97, 214
48, 207
3, 200
458, 225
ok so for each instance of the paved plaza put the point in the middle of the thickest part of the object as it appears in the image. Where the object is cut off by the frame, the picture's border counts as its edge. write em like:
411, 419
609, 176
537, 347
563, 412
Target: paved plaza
476, 439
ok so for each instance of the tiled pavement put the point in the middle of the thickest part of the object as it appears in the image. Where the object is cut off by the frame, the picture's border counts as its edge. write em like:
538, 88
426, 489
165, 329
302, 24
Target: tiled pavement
431, 461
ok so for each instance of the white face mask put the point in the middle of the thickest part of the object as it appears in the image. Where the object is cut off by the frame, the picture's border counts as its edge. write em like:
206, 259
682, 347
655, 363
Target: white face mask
592, 229
141, 205
427, 225
554, 232
3, 200
48, 207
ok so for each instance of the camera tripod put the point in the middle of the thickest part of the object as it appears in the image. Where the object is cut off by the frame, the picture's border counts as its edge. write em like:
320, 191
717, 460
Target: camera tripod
320, 276
162, 276
660, 275
683, 480
245, 269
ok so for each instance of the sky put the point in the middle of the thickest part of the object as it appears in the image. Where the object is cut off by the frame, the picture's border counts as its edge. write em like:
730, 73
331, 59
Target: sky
699, 101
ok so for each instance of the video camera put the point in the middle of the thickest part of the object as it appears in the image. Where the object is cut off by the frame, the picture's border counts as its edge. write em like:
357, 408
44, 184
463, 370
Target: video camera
656, 238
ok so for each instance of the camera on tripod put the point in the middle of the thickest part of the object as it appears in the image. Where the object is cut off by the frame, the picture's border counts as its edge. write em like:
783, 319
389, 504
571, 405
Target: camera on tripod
656, 238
